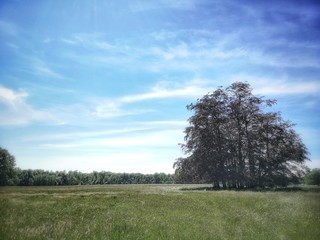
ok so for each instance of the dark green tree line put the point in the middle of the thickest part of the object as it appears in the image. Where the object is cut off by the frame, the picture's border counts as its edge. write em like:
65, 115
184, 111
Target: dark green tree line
233, 142
7, 168
50, 178
10, 175
58, 178
313, 177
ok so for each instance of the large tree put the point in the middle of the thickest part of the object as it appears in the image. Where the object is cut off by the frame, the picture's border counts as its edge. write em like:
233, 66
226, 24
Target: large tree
7, 168
232, 141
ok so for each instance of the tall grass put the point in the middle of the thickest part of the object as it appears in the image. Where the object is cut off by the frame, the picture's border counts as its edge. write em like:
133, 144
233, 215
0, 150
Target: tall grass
155, 212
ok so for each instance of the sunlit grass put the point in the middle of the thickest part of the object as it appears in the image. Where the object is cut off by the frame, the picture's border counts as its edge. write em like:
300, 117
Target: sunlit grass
155, 212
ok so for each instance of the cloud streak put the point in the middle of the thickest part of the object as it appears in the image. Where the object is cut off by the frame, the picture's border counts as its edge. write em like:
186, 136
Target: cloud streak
43, 69
279, 87
209, 50
162, 90
12, 99
17, 111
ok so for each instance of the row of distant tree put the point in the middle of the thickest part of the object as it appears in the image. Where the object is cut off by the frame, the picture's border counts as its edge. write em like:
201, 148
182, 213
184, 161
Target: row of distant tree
10, 175
50, 178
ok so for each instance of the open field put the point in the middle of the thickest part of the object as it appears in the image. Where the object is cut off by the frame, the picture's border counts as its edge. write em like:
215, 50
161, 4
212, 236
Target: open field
156, 212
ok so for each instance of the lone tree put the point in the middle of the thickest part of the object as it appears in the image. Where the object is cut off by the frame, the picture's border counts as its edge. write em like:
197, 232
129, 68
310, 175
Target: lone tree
7, 168
232, 142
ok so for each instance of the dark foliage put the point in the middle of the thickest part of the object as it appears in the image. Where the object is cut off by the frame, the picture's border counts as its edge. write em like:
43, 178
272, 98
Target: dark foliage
233, 143
49, 178
9, 175
313, 177
7, 165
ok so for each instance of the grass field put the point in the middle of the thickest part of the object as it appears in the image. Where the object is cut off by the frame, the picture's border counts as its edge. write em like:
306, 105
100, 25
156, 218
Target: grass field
156, 212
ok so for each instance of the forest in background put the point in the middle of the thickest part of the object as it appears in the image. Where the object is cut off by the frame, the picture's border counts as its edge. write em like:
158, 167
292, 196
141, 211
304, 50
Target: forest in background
58, 178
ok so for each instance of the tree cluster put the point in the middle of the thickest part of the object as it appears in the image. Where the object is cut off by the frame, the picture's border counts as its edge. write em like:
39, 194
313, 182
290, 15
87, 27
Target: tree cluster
10, 175
7, 168
50, 178
313, 177
233, 142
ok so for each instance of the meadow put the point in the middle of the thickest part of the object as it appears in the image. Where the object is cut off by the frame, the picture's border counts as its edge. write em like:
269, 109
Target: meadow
156, 212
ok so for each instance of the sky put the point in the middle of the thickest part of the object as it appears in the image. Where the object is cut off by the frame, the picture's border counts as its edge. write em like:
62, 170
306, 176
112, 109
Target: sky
103, 85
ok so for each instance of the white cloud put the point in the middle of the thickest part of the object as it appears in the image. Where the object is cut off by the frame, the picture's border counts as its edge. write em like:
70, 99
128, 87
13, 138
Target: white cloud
126, 134
192, 57
69, 41
290, 88
269, 86
138, 140
165, 89
62, 137
199, 54
12, 98
176, 52
17, 110
110, 108
93, 40
154, 139
42, 68
162, 90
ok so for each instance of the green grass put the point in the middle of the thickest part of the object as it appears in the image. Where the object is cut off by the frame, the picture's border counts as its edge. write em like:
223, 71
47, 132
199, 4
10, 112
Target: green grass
156, 212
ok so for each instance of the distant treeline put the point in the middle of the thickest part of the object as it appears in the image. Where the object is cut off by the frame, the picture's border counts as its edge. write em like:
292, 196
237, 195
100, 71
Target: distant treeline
57, 178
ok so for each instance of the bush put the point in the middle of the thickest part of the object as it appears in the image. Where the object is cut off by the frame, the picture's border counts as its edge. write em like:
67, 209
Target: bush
313, 177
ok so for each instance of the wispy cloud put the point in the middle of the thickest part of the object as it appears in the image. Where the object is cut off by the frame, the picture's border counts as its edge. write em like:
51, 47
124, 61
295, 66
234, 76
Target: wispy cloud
11, 98
269, 86
166, 89
279, 88
91, 111
169, 55
181, 51
134, 128
164, 138
17, 111
42, 68
162, 90
76, 135
93, 41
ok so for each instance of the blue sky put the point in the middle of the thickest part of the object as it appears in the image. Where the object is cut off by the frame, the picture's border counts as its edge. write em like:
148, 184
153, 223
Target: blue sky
103, 85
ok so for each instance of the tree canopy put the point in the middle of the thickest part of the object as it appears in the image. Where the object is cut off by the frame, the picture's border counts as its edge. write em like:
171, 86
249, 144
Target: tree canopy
313, 177
233, 141
7, 167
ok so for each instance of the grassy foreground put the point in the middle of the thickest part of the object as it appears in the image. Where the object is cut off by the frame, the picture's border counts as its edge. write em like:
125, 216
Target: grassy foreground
156, 212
